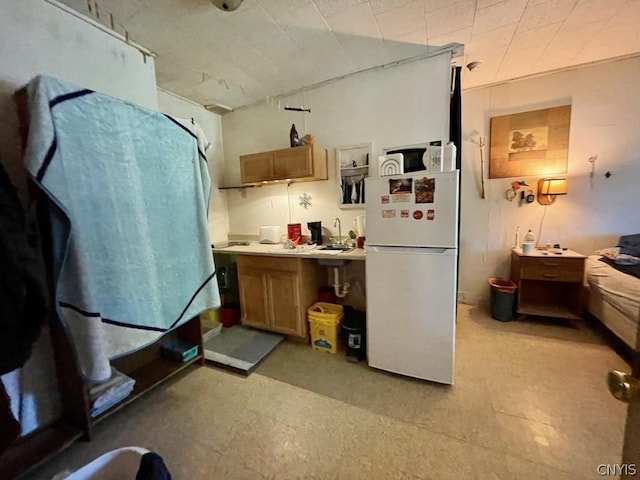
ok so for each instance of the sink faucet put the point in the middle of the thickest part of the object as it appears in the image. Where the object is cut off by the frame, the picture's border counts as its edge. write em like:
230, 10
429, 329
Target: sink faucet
337, 223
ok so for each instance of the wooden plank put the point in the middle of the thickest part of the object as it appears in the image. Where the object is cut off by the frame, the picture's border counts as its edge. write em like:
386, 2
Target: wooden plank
147, 377
36, 449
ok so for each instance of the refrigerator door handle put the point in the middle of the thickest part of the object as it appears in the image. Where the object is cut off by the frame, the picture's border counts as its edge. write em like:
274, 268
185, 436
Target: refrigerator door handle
411, 250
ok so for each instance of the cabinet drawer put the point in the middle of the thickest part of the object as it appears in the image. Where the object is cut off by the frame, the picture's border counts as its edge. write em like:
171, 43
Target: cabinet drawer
552, 269
254, 262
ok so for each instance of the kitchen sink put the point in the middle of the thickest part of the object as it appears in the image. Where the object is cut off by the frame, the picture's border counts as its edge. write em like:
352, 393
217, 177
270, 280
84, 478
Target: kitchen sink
335, 246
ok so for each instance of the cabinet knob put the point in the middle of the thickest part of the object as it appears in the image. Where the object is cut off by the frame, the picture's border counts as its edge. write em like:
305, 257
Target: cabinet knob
549, 275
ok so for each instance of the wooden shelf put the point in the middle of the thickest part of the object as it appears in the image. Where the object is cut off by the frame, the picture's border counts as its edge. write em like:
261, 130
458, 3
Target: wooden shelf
35, 449
148, 377
347, 171
547, 310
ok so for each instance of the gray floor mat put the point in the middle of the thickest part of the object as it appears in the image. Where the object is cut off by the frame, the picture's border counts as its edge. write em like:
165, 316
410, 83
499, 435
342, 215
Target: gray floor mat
240, 348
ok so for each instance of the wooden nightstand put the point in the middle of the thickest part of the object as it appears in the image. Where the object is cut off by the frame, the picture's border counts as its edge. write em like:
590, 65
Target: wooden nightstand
549, 284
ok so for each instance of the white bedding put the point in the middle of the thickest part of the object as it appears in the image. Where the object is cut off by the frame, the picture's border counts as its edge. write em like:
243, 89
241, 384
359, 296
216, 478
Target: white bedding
614, 299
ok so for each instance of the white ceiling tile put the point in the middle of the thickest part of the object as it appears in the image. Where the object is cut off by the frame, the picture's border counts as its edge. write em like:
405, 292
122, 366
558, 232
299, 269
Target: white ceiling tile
308, 29
358, 20
431, 5
366, 52
331, 7
175, 7
279, 48
203, 25
236, 57
409, 45
400, 21
254, 25
498, 15
556, 58
518, 62
608, 43
456, 17
534, 37
551, 11
587, 11
417, 37
486, 73
278, 8
628, 14
147, 27
493, 38
379, 6
460, 36
121, 9
487, 3
577, 35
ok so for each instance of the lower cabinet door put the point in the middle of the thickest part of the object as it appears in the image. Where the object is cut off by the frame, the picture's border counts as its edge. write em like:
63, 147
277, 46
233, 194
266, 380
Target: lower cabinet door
283, 289
253, 298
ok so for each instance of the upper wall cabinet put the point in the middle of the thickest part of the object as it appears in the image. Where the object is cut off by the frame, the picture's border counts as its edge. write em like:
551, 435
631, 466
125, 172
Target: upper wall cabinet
298, 164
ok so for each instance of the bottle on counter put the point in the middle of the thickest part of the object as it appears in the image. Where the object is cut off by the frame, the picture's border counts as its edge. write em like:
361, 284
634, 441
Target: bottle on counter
530, 237
293, 136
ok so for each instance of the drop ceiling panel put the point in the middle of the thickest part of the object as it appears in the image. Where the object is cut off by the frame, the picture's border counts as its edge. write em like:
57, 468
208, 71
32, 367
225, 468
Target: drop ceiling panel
356, 21
450, 19
271, 47
401, 21
542, 14
493, 38
497, 15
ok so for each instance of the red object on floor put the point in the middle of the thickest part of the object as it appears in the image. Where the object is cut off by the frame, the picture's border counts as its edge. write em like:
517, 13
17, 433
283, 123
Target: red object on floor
327, 295
229, 315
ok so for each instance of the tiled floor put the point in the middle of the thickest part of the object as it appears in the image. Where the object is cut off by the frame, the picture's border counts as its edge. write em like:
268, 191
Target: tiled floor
530, 402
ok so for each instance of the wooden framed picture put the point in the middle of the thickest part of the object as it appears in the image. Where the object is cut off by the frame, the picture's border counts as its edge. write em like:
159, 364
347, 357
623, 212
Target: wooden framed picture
532, 143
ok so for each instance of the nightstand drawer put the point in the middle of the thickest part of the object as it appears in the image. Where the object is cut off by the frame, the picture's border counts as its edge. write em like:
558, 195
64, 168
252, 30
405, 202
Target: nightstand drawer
552, 269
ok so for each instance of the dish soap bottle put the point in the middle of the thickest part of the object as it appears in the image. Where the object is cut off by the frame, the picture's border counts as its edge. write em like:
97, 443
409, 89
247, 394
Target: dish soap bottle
530, 237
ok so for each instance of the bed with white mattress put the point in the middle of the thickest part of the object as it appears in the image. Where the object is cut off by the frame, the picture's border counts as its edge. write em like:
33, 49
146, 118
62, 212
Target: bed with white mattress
614, 299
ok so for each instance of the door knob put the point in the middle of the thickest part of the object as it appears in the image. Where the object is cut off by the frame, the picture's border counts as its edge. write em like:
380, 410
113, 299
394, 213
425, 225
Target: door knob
623, 386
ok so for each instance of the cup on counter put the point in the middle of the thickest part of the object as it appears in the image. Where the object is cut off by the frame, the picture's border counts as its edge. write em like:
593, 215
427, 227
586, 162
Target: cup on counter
527, 248
360, 242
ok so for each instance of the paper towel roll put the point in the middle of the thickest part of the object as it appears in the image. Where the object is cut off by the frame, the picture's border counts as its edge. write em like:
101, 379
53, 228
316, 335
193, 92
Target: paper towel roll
361, 226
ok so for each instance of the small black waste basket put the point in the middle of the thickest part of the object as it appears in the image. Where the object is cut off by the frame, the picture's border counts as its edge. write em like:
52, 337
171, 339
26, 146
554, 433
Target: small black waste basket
503, 295
354, 331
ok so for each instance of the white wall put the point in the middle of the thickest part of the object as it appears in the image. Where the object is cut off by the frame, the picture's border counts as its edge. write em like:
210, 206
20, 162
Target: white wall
400, 105
604, 122
177, 106
39, 38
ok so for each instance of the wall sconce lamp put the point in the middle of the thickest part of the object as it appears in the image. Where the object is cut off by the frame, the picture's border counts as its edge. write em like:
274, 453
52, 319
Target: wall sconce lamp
548, 188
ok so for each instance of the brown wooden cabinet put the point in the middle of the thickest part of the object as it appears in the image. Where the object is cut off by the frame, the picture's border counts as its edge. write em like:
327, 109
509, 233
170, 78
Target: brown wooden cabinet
549, 285
300, 164
276, 292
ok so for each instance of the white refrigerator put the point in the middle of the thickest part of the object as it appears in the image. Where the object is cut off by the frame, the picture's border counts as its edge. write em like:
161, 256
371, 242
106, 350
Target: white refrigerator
411, 273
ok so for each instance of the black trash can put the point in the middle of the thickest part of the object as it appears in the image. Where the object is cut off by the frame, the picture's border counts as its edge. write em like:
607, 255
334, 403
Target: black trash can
503, 296
354, 332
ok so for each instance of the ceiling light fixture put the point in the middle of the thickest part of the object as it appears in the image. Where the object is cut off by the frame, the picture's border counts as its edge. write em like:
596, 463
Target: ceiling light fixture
475, 64
227, 5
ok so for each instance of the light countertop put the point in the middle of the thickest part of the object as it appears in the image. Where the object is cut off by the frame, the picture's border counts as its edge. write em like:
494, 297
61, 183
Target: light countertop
277, 250
538, 252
